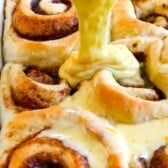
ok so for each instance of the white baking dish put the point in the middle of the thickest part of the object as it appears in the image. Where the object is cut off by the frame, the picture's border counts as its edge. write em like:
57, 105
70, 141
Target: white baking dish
1, 28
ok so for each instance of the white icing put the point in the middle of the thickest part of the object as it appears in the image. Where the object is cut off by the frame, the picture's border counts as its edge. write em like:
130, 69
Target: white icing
143, 139
52, 8
77, 137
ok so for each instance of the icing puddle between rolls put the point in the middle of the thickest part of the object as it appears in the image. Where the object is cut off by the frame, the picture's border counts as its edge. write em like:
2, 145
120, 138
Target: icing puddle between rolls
142, 139
95, 54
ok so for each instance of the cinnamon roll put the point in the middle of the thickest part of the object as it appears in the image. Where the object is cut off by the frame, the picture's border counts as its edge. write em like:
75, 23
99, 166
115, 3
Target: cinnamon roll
61, 137
25, 88
136, 17
94, 52
126, 101
39, 33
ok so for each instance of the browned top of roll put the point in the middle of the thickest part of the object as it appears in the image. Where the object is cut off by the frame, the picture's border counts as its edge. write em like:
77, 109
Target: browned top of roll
32, 22
46, 152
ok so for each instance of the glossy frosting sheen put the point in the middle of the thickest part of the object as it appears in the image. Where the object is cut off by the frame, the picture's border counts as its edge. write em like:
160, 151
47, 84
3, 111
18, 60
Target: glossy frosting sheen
94, 52
76, 136
142, 139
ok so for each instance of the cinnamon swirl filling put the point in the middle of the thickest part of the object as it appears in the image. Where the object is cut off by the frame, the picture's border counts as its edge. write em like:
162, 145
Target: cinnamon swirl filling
44, 20
46, 153
31, 88
152, 12
43, 76
33, 98
159, 159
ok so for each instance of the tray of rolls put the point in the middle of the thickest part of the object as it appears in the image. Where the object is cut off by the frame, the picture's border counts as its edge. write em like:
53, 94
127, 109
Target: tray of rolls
84, 84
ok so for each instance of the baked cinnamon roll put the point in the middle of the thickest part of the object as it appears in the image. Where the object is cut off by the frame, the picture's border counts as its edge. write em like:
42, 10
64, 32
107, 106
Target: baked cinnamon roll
61, 137
39, 32
25, 88
124, 101
136, 17
94, 52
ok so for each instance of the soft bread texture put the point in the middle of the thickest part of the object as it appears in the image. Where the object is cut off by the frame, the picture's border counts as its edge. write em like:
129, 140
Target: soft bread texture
125, 20
48, 53
27, 17
94, 52
112, 92
40, 154
125, 104
109, 99
155, 58
40, 121
19, 92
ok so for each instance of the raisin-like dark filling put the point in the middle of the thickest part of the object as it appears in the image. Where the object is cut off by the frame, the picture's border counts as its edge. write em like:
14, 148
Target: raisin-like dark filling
44, 164
36, 8
140, 56
43, 76
41, 162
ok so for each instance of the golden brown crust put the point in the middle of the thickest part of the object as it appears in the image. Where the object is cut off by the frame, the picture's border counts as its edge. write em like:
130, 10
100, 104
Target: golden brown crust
19, 92
125, 22
109, 99
15, 133
44, 54
46, 151
46, 27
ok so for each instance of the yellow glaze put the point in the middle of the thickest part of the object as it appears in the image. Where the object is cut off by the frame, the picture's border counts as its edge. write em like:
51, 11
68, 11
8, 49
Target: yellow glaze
94, 52
77, 137
142, 139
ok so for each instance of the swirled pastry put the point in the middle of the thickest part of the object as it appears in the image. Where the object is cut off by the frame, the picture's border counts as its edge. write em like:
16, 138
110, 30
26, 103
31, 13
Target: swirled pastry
61, 137
64, 137
154, 53
39, 33
132, 18
94, 52
119, 101
124, 81
25, 88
